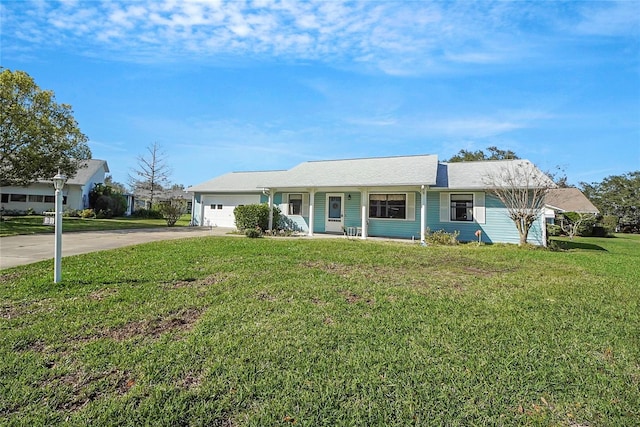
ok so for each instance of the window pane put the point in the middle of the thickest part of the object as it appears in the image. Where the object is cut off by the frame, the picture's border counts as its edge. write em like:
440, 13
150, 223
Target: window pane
18, 197
461, 207
36, 198
295, 204
388, 206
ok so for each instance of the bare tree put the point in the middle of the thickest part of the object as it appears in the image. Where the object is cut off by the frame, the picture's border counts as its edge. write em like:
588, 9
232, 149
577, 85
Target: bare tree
521, 187
151, 175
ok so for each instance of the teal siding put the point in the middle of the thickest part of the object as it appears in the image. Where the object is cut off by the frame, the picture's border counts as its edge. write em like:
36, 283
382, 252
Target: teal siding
498, 227
319, 213
352, 210
404, 229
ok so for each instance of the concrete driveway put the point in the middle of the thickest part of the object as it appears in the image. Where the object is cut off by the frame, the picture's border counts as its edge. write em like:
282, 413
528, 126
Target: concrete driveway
21, 250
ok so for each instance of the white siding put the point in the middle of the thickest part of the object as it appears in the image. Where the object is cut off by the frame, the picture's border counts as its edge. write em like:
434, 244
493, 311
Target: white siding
224, 217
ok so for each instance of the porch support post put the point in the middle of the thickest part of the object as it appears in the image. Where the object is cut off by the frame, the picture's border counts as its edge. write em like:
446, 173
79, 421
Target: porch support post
193, 209
271, 194
364, 197
312, 196
201, 220
423, 213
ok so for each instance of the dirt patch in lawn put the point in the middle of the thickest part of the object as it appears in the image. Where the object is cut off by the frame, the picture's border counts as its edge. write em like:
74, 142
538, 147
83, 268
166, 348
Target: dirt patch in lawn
181, 321
353, 298
446, 272
101, 294
85, 387
190, 282
22, 308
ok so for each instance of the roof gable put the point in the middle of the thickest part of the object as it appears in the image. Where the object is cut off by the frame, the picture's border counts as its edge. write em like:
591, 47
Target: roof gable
236, 182
86, 170
569, 200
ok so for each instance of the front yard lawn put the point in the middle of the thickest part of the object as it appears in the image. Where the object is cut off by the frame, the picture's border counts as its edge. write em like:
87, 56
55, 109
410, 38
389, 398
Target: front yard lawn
263, 332
14, 225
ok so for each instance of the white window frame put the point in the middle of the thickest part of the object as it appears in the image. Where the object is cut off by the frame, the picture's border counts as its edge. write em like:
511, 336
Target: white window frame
479, 207
285, 207
409, 208
290, 206
468, 209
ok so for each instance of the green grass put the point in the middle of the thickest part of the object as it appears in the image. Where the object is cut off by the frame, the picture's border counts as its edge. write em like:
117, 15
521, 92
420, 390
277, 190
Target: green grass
261, 332
11, 226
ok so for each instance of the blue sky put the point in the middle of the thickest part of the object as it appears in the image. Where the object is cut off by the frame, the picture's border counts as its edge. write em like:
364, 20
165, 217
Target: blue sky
261, 85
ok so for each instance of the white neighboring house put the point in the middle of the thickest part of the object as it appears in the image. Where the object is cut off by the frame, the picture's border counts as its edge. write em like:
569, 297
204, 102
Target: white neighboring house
40, 196
561, 200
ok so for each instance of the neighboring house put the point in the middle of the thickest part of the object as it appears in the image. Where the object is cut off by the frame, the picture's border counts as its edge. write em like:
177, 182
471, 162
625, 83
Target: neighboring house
400, 197
40, 196
142, 197
560, 200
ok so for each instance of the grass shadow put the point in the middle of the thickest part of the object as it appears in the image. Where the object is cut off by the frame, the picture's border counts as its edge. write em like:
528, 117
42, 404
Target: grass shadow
567, 245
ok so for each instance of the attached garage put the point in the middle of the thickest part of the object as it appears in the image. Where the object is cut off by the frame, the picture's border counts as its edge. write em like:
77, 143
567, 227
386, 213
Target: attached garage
218, 209
215, 200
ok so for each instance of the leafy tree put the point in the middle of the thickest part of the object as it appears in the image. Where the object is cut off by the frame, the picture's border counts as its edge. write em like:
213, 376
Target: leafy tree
521, 187
115, 185
494, 154
107, 201
619, 196
578, 223
151, 175
38, 136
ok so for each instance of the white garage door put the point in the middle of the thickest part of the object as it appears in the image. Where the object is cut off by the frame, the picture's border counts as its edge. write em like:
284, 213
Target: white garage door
218, 210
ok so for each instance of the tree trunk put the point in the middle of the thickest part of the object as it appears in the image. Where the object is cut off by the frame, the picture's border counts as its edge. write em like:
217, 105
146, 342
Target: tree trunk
523, 231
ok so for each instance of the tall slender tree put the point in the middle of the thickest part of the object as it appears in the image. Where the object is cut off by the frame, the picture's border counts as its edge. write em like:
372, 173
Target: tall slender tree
151, 175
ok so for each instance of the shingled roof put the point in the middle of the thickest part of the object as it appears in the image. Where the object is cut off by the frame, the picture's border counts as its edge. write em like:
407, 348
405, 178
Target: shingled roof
376, 172
569, 200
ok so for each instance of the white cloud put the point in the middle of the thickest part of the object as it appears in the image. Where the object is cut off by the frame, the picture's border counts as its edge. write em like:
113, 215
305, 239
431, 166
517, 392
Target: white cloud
396, 37
611, 19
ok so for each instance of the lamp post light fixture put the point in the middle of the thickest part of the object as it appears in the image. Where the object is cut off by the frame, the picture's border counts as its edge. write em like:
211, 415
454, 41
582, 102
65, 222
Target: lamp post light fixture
58, 184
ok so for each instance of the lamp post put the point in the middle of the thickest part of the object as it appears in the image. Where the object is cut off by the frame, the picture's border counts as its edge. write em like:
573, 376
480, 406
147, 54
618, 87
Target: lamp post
58, 183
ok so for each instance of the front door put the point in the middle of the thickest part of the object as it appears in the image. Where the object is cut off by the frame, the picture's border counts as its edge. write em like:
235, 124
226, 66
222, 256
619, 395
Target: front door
335, 213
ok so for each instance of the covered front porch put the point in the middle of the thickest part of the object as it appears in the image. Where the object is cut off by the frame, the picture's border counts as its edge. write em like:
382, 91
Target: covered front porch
361, 212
